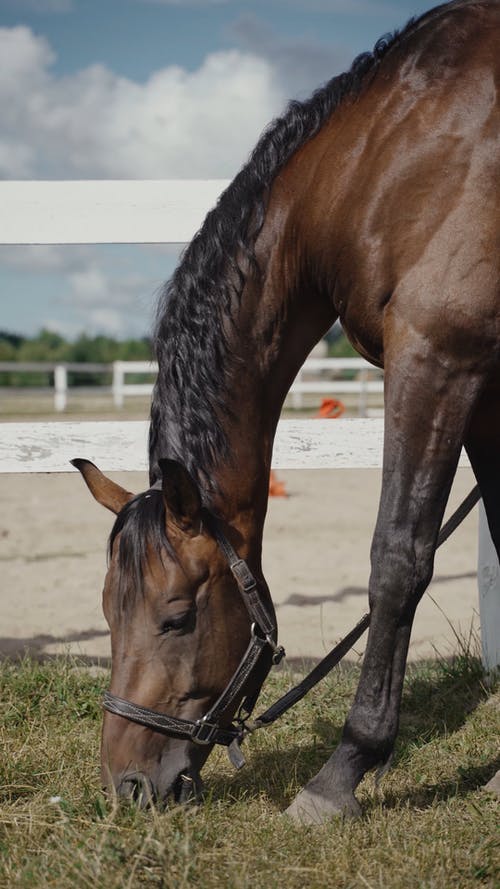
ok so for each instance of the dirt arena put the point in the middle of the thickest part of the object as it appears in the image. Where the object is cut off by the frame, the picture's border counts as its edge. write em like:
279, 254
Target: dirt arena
316, 558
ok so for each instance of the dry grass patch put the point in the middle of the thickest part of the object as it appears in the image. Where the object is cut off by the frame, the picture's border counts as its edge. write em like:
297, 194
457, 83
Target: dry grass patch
428, 823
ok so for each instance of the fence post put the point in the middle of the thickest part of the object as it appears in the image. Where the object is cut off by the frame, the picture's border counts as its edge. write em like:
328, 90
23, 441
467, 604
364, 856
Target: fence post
117, 384
60, 387
488, 580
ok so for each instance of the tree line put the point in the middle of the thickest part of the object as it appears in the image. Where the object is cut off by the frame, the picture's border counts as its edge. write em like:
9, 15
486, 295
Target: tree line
49, 346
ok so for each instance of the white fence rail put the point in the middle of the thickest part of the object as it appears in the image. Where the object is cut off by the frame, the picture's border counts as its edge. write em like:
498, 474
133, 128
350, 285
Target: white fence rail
124, 211
317, 376
162, 212
121, 389
321, 376
59, 371
122, 446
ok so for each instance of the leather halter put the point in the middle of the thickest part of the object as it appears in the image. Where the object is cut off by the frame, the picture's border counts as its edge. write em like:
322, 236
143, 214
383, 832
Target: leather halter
207, 729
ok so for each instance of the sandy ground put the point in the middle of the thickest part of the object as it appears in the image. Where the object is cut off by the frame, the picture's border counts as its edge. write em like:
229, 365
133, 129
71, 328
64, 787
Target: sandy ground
316, 557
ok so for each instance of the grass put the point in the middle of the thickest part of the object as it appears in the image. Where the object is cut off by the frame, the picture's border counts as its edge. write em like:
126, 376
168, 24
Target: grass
428, 823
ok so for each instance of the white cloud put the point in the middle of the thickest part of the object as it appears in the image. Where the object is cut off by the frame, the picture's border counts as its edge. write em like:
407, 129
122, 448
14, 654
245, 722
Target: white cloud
119, 305
23, 56
47, 259
96, 124
111, 290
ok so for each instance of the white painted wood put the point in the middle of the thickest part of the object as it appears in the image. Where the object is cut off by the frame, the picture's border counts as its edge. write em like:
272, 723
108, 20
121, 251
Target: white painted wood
311, 365
488, 580
362, 386
122, 446
118, 384
60, 372
335, 387
137, 367
121, 389
48, 447
60, 387
311, 387
340, 364
105, 212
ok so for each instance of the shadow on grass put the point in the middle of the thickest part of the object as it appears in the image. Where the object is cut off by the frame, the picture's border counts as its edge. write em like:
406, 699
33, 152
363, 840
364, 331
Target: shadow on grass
423, 796
15, 649
271, 774
439, 696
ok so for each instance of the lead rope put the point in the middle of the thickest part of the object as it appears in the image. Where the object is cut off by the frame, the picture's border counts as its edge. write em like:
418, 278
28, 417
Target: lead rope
331, 660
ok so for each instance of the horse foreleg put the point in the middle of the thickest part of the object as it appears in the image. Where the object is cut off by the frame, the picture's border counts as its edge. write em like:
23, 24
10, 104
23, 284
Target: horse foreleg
427, 408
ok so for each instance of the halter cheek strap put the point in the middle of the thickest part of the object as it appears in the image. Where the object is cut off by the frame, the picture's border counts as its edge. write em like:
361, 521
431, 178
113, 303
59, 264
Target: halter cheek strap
248, 588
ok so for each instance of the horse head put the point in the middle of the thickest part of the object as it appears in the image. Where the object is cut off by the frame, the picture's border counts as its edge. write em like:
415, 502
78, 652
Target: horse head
178, 629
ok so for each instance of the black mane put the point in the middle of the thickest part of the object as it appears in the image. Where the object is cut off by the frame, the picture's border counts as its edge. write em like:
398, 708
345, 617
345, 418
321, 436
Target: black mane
195, 363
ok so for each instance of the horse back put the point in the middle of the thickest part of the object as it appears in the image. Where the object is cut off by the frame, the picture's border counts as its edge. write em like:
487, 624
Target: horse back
400, 189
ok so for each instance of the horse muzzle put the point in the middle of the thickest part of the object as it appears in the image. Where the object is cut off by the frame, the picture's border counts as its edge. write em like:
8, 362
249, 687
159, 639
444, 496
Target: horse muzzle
187, 788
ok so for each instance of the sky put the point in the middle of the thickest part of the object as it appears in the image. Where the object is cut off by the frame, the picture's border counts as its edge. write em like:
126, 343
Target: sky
149, 89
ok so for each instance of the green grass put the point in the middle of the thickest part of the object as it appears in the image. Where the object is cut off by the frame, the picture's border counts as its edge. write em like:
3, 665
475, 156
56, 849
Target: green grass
428, 823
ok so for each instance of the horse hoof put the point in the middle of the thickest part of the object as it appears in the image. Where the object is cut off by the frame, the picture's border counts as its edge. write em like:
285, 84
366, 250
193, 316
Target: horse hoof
310, 808
493, 784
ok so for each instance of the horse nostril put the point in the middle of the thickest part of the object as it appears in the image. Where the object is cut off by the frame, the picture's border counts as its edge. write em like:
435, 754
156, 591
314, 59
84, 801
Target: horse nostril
138, 789
187, 789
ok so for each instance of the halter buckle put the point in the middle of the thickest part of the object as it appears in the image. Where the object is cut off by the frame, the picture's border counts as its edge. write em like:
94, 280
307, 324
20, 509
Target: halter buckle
245, 579
278, 654
278, 650
204, 732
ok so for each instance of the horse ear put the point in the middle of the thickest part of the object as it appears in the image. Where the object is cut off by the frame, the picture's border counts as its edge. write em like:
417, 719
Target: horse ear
106, 492
181, 495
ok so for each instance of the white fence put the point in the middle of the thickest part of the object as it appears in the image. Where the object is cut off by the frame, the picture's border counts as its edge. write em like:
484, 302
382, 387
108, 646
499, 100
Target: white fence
159, 212
326, 380
60, 372
318, 376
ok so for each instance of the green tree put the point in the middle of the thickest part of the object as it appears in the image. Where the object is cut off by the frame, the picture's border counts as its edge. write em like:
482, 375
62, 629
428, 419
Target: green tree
49, 346
342, 348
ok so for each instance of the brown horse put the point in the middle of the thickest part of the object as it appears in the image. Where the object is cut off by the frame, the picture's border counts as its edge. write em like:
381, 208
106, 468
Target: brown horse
376, 202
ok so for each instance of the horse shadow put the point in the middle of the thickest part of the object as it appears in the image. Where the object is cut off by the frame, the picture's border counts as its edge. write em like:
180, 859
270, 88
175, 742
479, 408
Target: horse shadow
432, 707
33, 647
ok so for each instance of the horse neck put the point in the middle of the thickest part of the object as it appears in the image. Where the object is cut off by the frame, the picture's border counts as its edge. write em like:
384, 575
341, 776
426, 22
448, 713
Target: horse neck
281, 316
245, 360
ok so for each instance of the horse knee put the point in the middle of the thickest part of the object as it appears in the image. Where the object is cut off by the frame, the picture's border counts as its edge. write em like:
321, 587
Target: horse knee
399, 578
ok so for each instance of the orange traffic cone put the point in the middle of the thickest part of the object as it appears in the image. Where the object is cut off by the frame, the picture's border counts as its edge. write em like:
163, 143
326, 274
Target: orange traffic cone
330, 409
276, 488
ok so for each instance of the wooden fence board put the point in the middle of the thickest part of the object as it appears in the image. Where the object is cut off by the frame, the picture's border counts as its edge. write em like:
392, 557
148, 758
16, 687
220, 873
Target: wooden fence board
105, 212
122, 445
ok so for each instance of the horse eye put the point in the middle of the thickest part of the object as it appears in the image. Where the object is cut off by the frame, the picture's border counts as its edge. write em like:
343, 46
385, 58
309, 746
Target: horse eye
176, 623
